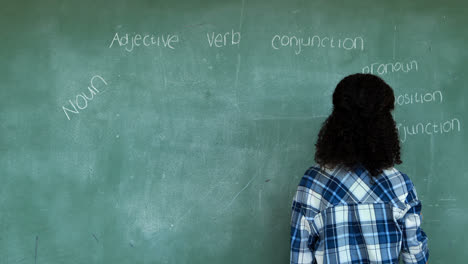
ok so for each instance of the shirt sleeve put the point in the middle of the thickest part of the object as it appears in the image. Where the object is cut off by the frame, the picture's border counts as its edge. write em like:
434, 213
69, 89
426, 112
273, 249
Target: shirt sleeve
414, 245
302, 233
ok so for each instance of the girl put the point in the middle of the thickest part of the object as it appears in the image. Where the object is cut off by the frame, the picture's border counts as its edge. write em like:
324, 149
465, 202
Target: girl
354, 206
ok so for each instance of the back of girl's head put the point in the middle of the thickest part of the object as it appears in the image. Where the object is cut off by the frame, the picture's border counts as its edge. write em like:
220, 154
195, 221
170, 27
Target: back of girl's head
360, 130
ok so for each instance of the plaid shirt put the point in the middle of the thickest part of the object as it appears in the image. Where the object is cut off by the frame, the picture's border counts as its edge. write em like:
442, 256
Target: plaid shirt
342, 216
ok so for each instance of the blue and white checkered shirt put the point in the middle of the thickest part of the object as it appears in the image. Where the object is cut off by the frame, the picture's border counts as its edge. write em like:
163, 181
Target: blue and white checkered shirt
343, 216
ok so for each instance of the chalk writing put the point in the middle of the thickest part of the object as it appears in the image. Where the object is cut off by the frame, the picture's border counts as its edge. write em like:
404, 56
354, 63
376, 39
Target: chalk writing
429, 128
419, 98
222, 40
137, 40
354, 43
81, 100
391, 67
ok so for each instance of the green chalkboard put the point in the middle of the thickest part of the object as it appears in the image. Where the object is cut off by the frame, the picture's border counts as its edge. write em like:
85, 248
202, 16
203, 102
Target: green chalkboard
177, 131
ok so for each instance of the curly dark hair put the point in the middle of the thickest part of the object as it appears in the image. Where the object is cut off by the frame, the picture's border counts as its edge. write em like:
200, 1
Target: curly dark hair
361, 129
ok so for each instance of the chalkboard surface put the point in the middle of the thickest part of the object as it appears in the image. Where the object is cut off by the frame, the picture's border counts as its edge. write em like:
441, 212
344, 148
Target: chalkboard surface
177, 131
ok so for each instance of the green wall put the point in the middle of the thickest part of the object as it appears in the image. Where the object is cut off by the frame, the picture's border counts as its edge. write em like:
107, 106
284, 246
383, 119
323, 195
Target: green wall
189, 150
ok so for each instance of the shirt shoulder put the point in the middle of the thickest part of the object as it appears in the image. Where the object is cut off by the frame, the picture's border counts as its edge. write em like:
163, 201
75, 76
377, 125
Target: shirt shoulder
399, 180
321, 188
316, 178
394, 186
343, 186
